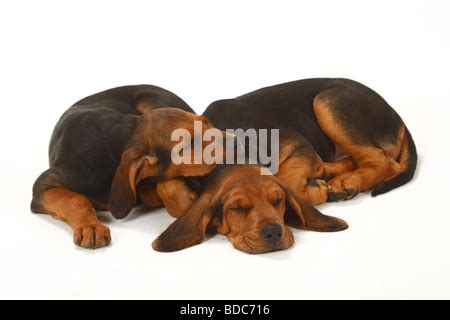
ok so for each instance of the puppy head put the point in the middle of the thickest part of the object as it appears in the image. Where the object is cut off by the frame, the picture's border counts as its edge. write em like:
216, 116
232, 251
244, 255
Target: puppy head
248, 208
149, 154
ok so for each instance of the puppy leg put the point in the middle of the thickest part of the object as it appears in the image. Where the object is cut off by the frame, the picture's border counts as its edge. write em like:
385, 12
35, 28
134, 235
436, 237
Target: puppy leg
374, 166
176, 196
334, 169
147, 193
78, 212
375, 160
302, 174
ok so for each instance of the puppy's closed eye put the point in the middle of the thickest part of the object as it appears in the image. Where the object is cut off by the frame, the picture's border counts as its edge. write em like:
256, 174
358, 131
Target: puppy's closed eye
278, 202
240, 209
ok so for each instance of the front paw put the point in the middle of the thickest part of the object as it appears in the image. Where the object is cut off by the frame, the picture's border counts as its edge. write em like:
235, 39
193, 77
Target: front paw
344, 187
337, 196
316, 191
92, 236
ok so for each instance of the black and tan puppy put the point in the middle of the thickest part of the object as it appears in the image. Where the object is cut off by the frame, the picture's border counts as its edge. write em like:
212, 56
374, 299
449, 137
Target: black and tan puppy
250, 209
112, 150
327, 127
334, 128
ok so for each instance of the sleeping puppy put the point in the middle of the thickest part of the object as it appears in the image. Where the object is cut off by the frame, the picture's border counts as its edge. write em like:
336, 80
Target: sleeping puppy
329, 129
249, 208
336, 129
112, 150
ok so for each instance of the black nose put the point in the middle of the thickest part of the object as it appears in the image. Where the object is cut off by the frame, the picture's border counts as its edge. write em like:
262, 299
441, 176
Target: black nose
272, 233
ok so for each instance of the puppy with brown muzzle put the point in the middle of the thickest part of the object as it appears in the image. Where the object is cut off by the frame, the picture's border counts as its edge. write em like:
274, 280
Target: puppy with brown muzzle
336, 130
111, 151
249, 208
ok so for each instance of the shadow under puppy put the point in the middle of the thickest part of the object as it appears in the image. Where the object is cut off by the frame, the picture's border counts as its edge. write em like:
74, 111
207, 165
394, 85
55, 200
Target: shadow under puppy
334, 128
112, 150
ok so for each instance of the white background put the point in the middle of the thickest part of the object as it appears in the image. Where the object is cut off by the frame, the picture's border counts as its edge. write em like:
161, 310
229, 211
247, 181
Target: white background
53, 53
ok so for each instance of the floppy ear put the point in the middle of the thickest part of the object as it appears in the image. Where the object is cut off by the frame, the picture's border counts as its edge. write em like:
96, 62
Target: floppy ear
299, 210
134, 166
190, 228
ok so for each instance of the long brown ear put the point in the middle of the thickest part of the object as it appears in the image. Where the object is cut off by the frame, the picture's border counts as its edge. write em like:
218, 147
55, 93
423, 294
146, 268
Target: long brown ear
134, 166
190, 228
299, 210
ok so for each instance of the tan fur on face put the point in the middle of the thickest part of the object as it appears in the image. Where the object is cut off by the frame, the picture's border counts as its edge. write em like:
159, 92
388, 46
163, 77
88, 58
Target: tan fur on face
263, 206
241, 203
148, 154
159, 123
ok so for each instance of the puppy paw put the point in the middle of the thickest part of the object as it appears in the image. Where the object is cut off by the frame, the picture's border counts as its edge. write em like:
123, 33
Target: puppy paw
92, 236
346, 194
316, 191
344, 187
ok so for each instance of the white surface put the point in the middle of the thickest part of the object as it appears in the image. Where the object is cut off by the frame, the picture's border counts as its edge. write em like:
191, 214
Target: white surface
56, 52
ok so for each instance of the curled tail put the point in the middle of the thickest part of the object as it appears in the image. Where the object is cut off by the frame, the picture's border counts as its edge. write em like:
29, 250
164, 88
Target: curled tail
408, 162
